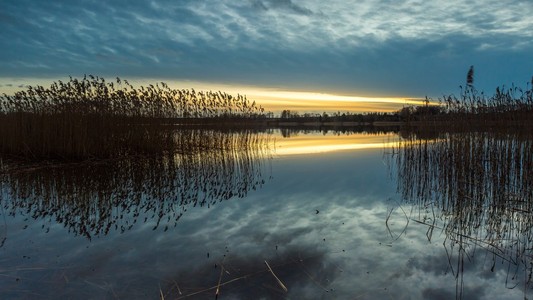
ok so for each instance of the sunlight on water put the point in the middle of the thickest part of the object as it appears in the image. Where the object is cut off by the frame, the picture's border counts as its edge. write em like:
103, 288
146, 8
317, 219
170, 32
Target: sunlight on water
319, 143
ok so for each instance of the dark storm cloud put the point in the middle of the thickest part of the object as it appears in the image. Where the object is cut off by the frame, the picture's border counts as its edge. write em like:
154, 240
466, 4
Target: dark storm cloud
373, 47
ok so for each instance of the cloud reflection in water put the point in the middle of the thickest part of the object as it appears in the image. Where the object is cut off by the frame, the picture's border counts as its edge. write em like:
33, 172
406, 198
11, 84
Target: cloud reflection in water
343, 251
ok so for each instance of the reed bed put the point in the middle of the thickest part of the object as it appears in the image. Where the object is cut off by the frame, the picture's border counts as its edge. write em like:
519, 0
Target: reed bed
507, 107
92, 198
93, 118
477, 187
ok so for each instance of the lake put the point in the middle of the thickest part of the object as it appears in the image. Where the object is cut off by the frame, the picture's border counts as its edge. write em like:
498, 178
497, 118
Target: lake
277, 215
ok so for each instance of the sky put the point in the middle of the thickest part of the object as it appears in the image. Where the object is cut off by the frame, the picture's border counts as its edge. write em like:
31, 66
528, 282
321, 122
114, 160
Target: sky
371, 49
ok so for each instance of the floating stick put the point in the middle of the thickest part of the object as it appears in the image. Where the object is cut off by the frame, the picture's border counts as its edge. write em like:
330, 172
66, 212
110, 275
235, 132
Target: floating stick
219, 279
279, 281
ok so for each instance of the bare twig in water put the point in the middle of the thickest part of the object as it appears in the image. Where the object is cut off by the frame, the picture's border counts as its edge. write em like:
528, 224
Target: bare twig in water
407, 218
178, 287
219, 280
217, 286
278, 280
311, 277
161, 296
387, 222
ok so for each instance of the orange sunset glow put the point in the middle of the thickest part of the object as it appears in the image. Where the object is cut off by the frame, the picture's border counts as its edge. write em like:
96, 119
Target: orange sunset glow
275, 100
271, 99
319, 143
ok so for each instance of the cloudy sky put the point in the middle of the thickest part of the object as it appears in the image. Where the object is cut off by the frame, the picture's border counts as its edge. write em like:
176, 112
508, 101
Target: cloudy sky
372, 48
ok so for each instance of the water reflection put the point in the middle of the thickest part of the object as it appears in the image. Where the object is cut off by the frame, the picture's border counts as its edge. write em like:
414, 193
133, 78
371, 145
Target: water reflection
319, 222
477, 189
93, 198
116, 205
319, 142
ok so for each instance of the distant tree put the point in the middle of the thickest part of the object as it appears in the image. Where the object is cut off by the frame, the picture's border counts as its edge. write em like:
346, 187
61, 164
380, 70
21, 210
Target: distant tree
406, 113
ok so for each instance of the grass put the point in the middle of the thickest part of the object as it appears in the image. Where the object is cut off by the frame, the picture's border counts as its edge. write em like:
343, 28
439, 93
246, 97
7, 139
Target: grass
91, 118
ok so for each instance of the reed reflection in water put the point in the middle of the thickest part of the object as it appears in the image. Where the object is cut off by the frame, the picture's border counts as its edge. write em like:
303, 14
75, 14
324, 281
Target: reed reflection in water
93, 198
477, 188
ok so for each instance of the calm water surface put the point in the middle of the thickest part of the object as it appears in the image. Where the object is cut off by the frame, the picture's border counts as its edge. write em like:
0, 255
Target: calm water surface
324, 211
